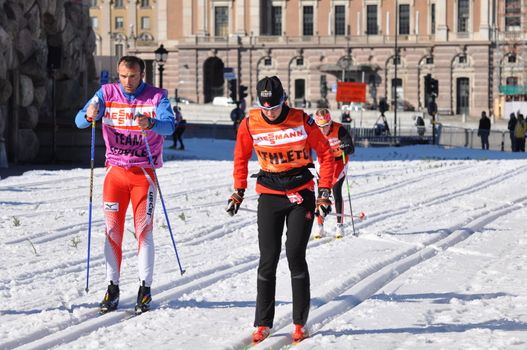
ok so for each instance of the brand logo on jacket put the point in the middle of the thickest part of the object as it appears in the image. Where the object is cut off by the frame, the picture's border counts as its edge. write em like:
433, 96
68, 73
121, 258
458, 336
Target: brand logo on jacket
280, 137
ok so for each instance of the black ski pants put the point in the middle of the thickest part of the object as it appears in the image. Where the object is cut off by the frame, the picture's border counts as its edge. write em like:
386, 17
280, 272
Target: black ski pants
273, 212
339, 202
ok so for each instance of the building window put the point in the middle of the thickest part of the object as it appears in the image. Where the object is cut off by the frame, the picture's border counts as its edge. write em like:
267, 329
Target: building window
430, 60
145, 22
221, 21
119, 50
276, 20
512, 13
308, 20
462, 59
300, 61
511, 58
94, 22
512, 81
404, 19
371, 20
145, 3
340, 20
118, 3
268, 61
433, 18
462, 16
119, 22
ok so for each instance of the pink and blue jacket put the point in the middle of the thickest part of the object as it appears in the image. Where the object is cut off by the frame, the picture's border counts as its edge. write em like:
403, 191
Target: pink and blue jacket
125, 146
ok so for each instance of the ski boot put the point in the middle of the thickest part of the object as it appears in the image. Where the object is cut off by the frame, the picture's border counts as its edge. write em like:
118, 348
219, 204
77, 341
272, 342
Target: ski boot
260, 334
110, 300
339, 231
299, 334
320, 232
144, 297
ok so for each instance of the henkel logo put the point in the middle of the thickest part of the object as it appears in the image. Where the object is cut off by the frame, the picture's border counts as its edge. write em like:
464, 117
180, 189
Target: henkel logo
125, 116
266, 93
280, 137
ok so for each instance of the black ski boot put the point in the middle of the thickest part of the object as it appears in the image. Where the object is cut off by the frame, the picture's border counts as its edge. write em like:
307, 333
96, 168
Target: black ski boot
143, 300
111, 299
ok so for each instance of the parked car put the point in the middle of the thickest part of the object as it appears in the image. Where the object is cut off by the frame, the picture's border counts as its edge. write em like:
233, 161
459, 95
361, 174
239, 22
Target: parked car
180, 100
223, 101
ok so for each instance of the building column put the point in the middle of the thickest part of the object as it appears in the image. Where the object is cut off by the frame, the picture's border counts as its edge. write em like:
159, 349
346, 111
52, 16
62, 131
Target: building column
239, 22
441, 29
484, 29
133, 28
255, 18
187, 14
106, 28
202, 18
162, 25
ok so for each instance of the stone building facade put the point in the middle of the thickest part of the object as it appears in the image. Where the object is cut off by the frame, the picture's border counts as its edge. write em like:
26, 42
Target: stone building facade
472, 47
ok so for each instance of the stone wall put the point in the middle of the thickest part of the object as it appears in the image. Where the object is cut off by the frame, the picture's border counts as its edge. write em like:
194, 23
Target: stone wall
46, 50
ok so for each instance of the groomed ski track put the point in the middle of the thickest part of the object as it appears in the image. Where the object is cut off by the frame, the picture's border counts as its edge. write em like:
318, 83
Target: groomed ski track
383, 206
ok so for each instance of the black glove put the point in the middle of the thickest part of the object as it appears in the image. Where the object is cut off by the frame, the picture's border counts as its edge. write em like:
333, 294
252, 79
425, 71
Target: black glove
323, 202
233, 204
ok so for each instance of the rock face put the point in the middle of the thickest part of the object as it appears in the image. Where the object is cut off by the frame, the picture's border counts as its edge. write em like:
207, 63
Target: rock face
46, 50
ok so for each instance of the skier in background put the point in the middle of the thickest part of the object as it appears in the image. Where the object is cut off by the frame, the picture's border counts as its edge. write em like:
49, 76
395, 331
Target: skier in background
282, 138
127, 109
342, 146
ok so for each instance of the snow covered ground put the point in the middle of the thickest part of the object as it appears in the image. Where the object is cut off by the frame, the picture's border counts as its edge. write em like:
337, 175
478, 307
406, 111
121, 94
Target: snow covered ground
440, 261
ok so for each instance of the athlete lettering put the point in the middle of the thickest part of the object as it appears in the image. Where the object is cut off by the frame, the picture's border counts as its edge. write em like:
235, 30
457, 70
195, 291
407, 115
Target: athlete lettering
281, 158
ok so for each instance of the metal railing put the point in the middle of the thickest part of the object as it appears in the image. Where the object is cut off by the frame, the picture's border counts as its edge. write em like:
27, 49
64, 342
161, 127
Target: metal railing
499, 140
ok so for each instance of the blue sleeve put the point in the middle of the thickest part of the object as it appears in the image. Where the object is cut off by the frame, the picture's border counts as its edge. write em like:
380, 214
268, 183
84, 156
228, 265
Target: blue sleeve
80, 119
165, 124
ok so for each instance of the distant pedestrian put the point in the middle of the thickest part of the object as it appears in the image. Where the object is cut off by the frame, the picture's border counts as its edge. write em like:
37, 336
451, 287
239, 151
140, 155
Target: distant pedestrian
345, 117
181, 125
484, 130
420, 123
237, 115
519, 133
511, 125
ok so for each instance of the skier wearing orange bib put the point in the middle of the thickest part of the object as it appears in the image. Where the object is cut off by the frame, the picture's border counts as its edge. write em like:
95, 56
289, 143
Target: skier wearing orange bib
341, 146
282, 138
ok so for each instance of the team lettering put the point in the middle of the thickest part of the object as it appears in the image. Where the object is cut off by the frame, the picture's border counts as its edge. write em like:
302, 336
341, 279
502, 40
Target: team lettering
128, 140
281, 157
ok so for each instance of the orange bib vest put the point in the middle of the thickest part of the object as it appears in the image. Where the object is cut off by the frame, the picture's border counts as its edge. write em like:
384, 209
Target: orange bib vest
280, 147
334, 141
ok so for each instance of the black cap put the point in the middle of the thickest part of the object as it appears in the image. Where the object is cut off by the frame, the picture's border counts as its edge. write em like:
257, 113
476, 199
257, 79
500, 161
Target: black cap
270, 92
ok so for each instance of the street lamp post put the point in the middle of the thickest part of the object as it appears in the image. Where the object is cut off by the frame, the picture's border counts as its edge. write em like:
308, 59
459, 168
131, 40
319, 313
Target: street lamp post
396, 62
161, 58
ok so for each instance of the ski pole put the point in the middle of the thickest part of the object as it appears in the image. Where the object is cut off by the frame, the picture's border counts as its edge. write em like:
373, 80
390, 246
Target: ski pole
248, 209
361, 216
349, 196
95, 100
181, 270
